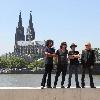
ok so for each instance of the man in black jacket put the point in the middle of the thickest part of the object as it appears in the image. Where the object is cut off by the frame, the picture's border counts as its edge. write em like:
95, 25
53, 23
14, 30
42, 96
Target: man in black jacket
87, 61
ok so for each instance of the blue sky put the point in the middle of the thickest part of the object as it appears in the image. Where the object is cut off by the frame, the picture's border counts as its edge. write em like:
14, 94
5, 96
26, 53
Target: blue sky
75, 21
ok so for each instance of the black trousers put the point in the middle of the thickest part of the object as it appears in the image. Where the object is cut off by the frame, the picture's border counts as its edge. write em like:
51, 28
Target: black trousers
73, 68
60, 68
84, 68
48, 70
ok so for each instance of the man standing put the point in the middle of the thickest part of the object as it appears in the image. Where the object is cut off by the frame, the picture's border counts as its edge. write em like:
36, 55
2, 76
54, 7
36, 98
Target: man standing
74, 64
62, 62
49, 54
87, 60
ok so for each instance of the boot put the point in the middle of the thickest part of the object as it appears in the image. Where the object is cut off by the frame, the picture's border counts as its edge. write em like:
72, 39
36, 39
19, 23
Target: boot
42, 87
54, 86
68, 86
77, 86
62, 86
92, 85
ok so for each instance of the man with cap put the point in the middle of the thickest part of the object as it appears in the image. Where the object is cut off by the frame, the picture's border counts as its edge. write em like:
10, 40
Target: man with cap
62, 62
73, 56
87, 61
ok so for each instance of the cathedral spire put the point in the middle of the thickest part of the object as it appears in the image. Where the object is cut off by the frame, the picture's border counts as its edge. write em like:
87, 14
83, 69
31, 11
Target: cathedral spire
30, 20
19, 35
30, 33
20, 20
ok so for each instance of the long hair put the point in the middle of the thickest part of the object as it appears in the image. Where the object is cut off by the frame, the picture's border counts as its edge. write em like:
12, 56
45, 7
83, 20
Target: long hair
63, 43
49, 41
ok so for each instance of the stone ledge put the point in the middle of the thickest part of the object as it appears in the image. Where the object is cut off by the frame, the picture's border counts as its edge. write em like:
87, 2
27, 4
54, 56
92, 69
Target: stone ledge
32, 93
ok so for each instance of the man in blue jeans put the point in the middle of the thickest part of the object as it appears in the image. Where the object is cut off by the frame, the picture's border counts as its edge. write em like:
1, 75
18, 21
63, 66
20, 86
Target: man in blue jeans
74, 64
49, 54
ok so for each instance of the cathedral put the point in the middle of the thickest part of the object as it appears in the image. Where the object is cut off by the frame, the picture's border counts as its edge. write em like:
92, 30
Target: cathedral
25, 44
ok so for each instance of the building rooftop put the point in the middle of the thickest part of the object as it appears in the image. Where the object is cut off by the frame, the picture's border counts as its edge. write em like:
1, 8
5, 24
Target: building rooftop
33, 42
25, 43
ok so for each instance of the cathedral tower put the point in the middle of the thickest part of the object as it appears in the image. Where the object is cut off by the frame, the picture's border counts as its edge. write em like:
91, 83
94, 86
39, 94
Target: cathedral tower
19, 35
30, 35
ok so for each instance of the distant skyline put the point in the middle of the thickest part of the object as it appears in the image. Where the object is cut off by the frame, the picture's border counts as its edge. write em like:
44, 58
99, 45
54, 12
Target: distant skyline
75, 21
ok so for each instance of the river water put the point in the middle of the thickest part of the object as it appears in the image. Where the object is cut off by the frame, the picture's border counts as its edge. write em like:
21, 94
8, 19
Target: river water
34, 80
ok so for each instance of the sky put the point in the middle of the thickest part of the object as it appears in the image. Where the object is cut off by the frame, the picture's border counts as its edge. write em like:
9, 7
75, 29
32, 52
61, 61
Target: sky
75, 21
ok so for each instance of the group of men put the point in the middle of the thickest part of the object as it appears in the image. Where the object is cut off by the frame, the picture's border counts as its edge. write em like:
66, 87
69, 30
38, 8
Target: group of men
62, 56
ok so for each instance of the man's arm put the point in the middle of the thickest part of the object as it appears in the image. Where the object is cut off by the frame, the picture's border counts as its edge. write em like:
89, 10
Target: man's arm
70, 55
49, 54
82, 57
94, 57
77, 56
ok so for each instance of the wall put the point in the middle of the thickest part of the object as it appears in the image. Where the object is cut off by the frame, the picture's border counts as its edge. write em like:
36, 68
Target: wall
26, 93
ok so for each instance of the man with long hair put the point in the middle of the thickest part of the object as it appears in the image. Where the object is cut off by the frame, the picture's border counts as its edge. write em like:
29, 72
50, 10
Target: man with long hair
62, 62
49, 54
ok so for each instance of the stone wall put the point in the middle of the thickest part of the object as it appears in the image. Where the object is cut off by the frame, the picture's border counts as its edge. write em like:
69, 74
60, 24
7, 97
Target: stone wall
26, 93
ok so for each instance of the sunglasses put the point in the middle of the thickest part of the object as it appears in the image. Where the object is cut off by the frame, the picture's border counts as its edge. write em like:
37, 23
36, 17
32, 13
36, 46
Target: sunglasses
86, 45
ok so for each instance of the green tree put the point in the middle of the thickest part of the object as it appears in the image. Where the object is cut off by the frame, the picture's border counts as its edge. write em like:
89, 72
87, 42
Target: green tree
36, 64
12, 62
4, 63
18, 62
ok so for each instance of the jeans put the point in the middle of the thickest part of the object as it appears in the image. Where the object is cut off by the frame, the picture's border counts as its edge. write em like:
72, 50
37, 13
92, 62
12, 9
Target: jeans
84, 68
73, 68
60, 68
48, 70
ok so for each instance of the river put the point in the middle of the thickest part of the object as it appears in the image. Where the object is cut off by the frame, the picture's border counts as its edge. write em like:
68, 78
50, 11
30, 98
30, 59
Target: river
34, 80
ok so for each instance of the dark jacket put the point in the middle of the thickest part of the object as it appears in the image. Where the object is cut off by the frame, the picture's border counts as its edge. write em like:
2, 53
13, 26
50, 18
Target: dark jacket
88, 57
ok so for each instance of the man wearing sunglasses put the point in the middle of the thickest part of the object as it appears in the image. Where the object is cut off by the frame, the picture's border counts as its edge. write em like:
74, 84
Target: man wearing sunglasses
87, 61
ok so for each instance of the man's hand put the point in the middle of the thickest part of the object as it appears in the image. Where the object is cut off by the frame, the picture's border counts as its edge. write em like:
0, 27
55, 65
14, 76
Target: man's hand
49, 54
54, 55
92, 67
76, 56
71, 57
